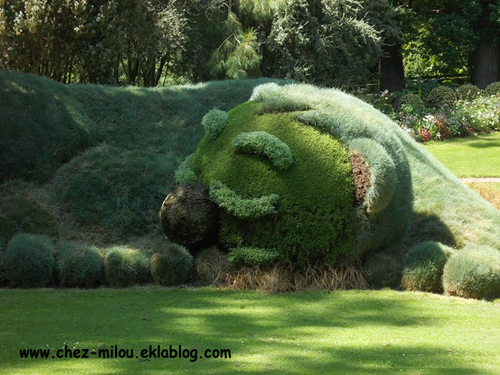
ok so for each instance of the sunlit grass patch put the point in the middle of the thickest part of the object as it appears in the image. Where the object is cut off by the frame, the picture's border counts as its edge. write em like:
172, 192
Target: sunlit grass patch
299, 333
469, 157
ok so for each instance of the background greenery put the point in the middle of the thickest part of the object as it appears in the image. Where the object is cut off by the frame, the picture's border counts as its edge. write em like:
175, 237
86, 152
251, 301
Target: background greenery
157, 42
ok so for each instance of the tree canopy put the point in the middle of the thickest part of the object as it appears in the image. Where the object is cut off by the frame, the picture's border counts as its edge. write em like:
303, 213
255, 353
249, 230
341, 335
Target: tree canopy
326, 42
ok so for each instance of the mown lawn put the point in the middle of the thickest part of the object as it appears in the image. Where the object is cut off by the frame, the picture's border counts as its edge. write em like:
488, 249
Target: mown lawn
348, 332
477, 156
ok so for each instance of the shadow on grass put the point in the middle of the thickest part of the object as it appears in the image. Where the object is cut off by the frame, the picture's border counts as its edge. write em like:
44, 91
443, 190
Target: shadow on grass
286, 333
428, 227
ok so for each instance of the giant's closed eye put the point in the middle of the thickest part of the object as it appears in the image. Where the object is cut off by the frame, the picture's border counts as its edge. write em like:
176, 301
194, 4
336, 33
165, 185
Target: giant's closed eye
267, 145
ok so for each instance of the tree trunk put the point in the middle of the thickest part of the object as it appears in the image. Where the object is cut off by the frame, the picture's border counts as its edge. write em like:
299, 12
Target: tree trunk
485, 63
391, 70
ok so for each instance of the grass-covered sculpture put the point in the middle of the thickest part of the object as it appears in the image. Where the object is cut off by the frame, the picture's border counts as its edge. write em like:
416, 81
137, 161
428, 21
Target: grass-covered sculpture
315, 176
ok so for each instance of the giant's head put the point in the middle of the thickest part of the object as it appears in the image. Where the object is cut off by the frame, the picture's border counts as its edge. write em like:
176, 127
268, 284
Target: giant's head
298, 173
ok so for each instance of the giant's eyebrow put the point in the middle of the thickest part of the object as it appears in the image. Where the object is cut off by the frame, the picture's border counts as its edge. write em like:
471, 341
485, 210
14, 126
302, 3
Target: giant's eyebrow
267, 145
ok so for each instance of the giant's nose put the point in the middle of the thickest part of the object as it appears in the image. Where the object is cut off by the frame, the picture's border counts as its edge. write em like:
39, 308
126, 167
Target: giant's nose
189, 218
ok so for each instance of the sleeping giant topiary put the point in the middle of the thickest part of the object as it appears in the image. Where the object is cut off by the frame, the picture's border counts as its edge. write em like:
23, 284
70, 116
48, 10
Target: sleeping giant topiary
309, 186
314, 176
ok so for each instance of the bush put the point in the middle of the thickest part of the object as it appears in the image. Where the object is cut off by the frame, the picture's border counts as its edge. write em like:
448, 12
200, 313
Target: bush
214, 122
29, 261
414, 101
492, 89
381, 271
3, 276
241, 207
248, 257
441, 95
468, 92
171, 266
125, 266
473, 272
423, 267
79, 265
265, 144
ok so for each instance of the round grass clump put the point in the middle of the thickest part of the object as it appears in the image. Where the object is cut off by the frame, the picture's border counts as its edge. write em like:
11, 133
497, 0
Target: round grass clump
381, 271
423, 266
440, 96
492, 89
29, 261
467, 92
304, 211
172, 266
473, 272
125, 266
79, 265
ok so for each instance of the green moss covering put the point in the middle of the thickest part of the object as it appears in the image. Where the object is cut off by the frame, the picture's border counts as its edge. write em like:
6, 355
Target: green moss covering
314, 219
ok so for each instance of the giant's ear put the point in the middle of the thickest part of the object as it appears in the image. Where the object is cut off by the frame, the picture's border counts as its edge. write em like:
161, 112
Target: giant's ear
383, 174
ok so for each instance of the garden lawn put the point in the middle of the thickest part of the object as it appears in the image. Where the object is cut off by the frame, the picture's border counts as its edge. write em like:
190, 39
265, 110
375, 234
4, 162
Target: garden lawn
477, 156
362, 332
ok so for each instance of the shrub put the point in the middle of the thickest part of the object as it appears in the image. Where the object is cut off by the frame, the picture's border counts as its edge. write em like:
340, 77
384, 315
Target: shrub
3, 276
249, 256
29, 261
214, 122
79, 265
241, 207
125, 266
441, 95
265, 144
492, 89
423, 266
414, 101
468, 92
473, 272
381, 271
172, 266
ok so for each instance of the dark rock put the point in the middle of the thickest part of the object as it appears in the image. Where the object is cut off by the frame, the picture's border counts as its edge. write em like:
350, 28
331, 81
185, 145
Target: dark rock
189, 218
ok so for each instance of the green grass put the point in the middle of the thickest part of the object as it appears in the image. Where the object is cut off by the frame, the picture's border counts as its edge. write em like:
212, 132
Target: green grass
353, 332
476, 156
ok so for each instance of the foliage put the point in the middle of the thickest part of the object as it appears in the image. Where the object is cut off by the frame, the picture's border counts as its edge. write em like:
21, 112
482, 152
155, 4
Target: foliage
467, 92
423, 266
171, 266
212, 266
267, 145
249, 256
474, 272
29, 261
414, 101
321, 42
240, 207
79, 265
214, 122
492, 89
440, 96
125, 266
